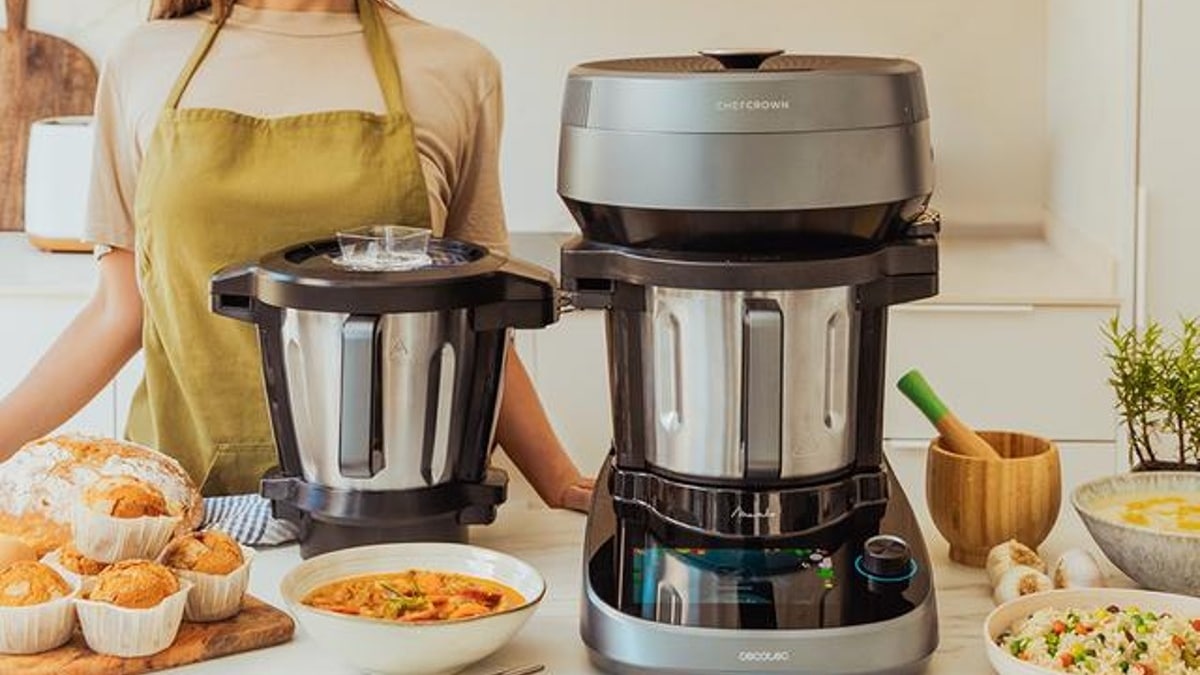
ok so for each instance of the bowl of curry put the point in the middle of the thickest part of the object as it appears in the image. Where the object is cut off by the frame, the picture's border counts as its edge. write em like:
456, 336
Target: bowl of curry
404, 609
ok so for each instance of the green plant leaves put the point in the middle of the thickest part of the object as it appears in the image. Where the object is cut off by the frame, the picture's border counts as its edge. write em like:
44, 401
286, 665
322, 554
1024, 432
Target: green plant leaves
1156, 379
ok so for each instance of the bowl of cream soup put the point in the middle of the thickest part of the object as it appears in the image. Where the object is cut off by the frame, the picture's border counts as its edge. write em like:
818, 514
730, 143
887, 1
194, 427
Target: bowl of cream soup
1148, 524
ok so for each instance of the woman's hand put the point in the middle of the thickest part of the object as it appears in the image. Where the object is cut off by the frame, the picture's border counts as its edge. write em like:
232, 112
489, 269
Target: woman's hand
105, 334
524, 432
578, 495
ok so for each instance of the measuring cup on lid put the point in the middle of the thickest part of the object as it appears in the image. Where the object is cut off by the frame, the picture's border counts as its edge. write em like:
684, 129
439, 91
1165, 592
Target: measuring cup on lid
384, 248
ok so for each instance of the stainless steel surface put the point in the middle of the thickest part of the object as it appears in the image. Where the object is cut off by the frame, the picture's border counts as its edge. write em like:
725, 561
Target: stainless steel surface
358, 454
731, 512
762, 388
697, 171
426, 366
692, 373
625, 645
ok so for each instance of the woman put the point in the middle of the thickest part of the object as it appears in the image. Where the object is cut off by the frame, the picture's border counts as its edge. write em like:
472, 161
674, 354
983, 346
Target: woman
226, 134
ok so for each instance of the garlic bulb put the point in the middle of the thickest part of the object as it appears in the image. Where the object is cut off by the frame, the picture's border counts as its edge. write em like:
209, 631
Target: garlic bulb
1077, 568
1008, 555
1018, 581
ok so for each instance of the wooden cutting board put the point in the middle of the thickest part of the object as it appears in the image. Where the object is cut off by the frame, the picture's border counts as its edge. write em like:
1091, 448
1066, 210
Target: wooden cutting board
258, 625
40, 76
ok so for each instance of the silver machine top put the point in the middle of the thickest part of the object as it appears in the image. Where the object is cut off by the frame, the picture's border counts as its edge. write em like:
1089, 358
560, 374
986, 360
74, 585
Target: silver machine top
696, 152
745, 91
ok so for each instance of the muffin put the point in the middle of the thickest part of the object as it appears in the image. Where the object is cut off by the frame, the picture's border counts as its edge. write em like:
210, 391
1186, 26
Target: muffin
77, 563
122, 518
28, 583
208, 552
36, 614
217, 566
134, 584
132, 609
125, 497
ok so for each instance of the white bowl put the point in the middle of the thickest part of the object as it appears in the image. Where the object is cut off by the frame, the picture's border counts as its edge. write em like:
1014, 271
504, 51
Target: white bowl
1162, 561
1003, 617
394, 648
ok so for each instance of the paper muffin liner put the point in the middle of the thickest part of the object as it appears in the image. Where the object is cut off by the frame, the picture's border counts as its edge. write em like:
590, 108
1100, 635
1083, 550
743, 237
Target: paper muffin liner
108, 539
53, 560
217, 597
38, 628
132, 633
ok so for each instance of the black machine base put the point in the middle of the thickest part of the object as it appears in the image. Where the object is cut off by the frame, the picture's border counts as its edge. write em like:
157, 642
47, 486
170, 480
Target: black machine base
331, 519
317, 537
665, 599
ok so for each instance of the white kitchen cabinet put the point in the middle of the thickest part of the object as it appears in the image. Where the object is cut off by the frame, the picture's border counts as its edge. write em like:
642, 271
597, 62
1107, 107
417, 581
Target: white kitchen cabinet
1170, 148
1035, 369
570, 365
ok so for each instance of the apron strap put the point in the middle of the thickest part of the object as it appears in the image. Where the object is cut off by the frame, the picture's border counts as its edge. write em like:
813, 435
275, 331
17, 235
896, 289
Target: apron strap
379, 45
383, 55
201, 51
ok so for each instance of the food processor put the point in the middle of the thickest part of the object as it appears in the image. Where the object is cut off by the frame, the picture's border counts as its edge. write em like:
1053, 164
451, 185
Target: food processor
383, 355
747, 218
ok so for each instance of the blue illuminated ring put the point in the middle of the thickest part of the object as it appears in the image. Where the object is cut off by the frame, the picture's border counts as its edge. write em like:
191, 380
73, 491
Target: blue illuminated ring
912, 572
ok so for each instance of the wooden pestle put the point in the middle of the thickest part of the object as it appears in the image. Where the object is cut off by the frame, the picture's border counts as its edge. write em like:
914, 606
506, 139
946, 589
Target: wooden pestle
957, 437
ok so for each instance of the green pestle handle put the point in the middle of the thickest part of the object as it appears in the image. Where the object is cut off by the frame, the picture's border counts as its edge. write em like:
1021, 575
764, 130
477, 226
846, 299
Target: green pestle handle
957, 437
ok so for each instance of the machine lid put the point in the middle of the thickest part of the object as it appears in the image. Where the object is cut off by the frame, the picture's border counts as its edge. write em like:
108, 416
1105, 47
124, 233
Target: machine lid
459, 275
745, 91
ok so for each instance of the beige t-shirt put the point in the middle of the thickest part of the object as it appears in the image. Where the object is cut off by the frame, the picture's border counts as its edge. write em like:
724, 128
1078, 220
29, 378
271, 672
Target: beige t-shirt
278, 63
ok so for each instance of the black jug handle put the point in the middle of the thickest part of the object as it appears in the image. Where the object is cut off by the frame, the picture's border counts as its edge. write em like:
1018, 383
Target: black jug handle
527, 298
233, 292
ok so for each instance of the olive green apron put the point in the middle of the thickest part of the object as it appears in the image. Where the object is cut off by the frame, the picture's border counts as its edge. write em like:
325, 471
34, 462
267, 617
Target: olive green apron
219, 188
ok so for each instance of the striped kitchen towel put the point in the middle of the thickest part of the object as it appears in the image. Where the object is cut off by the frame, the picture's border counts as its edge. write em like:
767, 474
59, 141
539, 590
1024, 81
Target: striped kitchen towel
248, 519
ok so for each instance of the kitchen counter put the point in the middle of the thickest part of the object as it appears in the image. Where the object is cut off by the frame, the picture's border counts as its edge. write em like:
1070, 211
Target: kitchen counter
551, 541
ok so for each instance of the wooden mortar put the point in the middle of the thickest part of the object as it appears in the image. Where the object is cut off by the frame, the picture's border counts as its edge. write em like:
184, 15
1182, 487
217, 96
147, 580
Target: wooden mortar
977, 503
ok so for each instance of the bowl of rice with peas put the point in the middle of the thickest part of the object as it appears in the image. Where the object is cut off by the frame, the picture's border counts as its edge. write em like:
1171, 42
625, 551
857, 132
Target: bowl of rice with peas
1103, 631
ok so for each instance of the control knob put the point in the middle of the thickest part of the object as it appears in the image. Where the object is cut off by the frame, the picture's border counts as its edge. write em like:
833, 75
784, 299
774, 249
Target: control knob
887, 557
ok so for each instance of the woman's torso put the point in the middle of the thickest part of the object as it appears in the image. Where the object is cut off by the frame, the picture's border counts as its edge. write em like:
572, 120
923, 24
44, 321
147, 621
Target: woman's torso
275, 64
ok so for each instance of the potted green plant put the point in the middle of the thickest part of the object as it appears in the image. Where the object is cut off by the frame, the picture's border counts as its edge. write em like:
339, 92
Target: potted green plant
1156, 378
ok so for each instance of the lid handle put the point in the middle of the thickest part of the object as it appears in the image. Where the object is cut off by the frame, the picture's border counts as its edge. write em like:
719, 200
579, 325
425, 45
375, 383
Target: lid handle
742, 59
233, 292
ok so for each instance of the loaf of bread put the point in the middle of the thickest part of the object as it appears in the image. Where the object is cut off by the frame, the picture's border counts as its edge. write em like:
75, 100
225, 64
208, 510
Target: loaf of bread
42, 482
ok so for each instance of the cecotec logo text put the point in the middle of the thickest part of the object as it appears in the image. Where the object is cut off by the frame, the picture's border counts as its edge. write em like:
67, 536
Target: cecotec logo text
765, 657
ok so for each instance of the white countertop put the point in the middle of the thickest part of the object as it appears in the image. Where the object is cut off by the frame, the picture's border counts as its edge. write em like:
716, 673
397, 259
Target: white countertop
552, 541
24, 270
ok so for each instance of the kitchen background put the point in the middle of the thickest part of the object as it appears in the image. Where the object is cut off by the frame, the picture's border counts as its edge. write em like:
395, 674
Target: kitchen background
1063, 136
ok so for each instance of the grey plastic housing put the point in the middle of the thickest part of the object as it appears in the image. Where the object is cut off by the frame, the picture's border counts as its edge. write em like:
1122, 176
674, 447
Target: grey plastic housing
671, 143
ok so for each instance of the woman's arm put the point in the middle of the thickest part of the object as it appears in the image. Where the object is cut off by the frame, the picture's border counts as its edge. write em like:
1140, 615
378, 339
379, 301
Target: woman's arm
524, 432
81, 362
